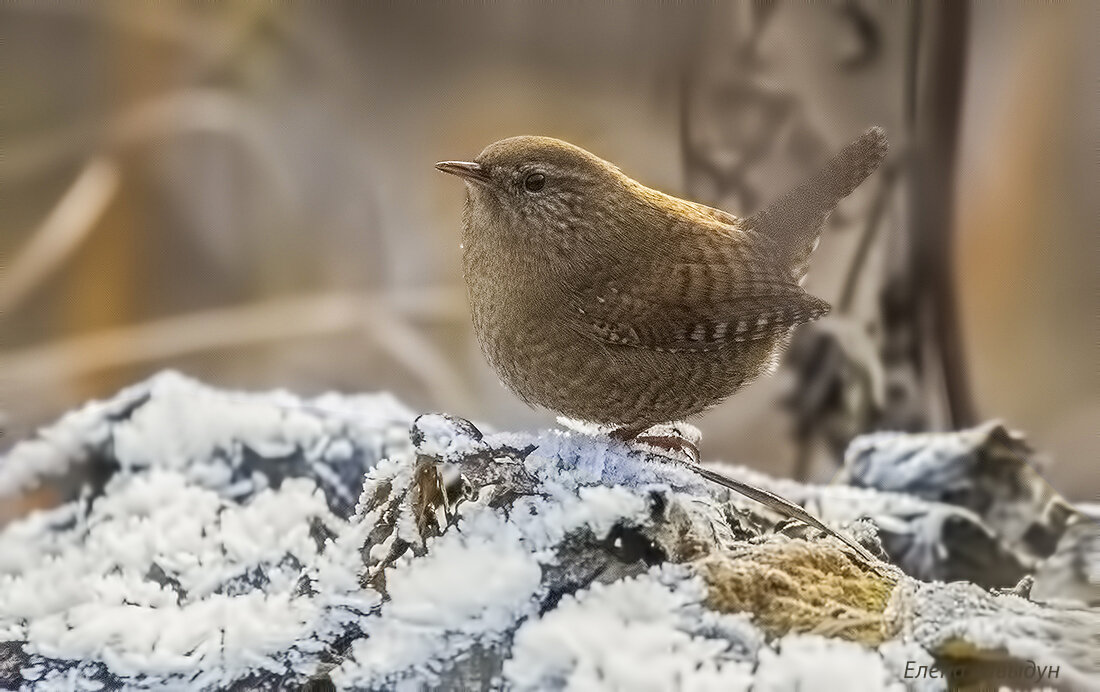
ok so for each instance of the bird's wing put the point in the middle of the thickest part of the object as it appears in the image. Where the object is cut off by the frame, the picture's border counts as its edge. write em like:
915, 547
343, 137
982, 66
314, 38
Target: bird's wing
714, 294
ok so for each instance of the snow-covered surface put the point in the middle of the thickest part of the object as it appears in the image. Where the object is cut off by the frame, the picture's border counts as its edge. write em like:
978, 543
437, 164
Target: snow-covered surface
479, 581
810, 662
188, 562
215, 438
650, 632
226, 539
1066, 637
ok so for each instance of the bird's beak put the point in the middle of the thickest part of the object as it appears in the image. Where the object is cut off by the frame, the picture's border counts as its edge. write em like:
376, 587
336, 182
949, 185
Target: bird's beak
465, 169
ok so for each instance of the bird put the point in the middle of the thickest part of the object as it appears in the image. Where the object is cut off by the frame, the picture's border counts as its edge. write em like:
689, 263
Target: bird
608, 301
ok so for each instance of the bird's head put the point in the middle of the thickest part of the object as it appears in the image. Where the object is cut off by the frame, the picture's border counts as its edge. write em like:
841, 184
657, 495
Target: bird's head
540, 193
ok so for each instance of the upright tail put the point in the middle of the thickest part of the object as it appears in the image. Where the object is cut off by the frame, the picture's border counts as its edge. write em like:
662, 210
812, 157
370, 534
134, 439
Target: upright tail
794, 222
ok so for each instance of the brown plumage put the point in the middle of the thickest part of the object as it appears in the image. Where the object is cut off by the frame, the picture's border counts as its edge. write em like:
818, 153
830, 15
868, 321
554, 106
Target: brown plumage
607, 301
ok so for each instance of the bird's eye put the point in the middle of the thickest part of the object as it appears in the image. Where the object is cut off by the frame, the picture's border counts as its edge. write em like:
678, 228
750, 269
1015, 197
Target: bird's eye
534, 182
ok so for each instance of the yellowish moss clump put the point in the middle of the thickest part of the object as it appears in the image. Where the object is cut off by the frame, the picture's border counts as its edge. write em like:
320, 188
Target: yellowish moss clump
795, 585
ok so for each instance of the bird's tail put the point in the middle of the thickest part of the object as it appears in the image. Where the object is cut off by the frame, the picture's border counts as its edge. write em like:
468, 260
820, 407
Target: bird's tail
794, 222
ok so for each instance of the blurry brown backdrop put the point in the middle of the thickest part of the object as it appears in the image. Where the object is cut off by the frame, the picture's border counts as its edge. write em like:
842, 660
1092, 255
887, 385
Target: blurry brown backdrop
245, 192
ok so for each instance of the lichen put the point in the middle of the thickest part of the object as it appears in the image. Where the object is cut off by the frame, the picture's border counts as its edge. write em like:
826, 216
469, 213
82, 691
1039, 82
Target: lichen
799, 586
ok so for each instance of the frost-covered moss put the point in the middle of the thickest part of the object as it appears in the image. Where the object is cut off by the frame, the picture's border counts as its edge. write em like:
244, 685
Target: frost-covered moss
800, 586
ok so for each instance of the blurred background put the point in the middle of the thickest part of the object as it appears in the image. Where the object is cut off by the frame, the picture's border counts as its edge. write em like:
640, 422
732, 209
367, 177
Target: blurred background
245, 192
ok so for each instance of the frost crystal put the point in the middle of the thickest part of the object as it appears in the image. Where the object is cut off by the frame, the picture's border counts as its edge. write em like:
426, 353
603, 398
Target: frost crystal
224, 539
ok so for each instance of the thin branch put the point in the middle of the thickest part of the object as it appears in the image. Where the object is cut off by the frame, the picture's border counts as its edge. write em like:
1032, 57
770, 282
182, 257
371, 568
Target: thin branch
256, 323
912, 67
177, 113
409, 347
67, 226
867, 239
935, 151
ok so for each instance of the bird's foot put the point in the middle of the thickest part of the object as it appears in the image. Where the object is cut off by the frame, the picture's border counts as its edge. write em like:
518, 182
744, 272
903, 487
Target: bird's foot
627, 432
679, 438
671, 443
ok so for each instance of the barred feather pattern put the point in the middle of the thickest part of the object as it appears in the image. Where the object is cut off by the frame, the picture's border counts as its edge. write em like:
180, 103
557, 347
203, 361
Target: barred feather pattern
725, 287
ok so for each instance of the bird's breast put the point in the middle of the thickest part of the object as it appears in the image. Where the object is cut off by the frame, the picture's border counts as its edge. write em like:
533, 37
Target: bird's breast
516, 310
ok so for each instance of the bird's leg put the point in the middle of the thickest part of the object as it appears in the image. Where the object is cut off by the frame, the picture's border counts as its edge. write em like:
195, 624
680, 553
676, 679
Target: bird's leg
671, 443
627, 432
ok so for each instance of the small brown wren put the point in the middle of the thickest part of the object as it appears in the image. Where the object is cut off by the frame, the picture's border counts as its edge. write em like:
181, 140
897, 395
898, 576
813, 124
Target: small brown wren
607, 301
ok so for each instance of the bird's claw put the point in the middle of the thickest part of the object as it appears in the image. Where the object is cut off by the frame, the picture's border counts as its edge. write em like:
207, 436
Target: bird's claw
671, 443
